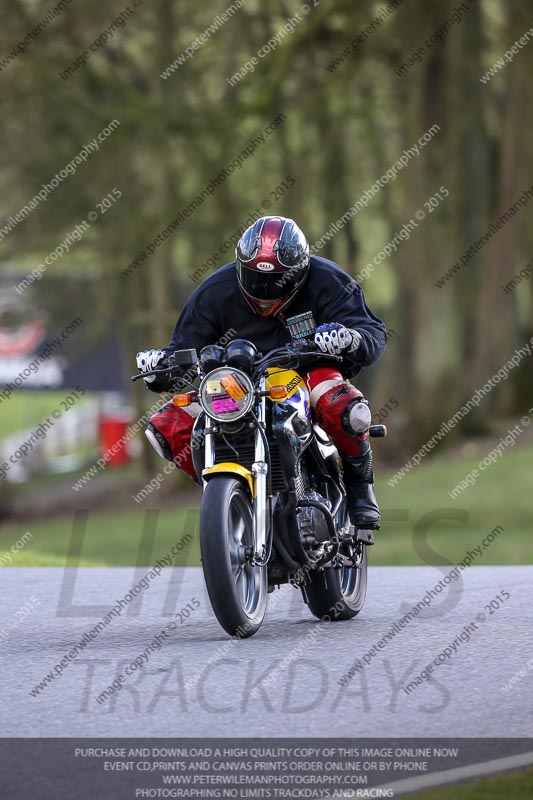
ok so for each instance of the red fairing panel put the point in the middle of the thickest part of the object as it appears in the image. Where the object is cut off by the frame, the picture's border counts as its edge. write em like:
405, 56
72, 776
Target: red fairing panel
175, 424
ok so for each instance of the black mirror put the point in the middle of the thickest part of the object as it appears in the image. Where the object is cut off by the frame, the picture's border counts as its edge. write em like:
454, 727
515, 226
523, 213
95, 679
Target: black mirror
211, 357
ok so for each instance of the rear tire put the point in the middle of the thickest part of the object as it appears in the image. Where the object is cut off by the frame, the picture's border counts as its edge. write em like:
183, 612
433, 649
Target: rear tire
338, 594
237, 590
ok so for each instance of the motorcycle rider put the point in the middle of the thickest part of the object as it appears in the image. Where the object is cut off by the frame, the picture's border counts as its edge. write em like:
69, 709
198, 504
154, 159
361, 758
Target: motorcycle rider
275, 292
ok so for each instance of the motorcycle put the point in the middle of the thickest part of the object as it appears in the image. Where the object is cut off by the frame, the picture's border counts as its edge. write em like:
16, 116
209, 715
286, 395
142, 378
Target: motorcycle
273, 508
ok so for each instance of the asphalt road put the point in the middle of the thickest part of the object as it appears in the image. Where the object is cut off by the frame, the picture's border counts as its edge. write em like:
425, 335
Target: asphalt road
199, 682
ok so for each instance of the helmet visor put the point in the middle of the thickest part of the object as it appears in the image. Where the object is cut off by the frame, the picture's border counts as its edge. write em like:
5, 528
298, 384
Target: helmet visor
264, 285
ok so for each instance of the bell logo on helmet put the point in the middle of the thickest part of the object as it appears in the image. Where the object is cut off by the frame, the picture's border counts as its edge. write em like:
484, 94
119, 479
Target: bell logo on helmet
264, 266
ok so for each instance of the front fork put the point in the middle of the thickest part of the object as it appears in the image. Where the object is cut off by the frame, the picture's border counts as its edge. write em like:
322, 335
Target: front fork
259, 472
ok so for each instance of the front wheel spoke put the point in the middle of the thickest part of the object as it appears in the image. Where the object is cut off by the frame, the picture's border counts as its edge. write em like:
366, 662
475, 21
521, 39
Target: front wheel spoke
239, 531
240, 537
251, 584
235, 556
242, 587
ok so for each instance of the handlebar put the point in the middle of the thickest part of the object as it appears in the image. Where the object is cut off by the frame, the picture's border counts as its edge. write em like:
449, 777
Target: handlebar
294, 351
178, 361
291, 352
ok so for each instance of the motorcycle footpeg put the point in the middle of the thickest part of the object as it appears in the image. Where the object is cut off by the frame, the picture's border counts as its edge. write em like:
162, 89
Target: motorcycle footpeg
364, 536
377, 431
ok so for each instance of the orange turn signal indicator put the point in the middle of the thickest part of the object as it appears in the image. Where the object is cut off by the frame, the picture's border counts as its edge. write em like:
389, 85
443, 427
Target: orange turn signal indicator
182, 400
278, 392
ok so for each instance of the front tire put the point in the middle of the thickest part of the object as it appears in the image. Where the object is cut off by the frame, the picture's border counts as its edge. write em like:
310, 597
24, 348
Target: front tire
338, 594
237, 590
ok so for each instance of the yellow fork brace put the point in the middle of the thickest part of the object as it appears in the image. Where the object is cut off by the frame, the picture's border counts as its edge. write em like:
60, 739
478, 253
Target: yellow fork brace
228, 467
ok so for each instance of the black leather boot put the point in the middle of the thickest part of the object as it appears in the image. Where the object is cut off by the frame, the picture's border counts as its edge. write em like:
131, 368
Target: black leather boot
359, 481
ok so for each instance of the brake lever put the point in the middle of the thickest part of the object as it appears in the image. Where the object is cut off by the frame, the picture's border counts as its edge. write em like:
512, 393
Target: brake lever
163, 371
178, 378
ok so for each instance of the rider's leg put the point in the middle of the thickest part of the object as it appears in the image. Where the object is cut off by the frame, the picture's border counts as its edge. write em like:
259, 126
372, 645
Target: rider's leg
342, 411
172, 427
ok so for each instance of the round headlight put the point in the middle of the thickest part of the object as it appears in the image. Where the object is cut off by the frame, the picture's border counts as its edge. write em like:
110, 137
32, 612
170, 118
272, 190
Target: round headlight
226, 394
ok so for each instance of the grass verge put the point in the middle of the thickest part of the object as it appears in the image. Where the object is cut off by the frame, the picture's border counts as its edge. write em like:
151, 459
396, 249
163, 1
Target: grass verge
421, 523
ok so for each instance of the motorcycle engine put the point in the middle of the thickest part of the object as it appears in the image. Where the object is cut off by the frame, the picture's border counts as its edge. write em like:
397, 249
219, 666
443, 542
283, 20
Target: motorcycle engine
312, 524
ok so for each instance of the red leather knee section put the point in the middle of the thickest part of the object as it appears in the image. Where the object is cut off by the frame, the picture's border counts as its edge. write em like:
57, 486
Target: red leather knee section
176, 427
330, 407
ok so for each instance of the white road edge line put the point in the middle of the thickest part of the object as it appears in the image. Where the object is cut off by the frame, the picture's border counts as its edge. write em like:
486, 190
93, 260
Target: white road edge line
480, 770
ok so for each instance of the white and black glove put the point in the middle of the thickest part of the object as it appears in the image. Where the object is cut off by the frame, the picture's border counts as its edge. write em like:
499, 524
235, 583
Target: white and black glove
147, 360
332, 337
